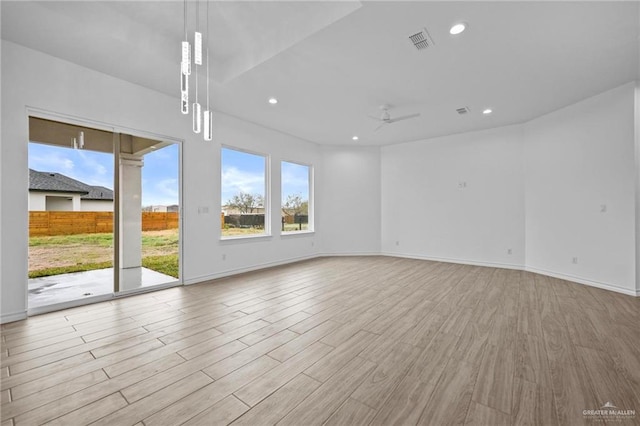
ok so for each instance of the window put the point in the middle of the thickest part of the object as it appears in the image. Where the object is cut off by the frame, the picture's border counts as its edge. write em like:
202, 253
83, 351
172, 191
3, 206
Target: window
243, 194
297, 211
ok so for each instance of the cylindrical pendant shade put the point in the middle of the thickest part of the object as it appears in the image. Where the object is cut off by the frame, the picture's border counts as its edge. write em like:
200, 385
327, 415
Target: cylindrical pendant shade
186, 58
208, 125
197, 118
197, 48
184, 90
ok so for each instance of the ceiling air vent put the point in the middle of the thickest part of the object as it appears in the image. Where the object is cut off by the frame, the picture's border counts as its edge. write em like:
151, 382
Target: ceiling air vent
462, 110
421, 40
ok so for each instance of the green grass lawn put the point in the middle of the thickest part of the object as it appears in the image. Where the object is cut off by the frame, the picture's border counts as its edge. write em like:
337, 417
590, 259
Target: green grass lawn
99, 240
167, 264
57, 270
63, 254
234, 232
289, 227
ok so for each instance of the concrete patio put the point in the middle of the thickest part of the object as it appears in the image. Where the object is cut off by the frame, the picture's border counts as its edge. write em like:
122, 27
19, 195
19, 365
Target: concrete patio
62, 288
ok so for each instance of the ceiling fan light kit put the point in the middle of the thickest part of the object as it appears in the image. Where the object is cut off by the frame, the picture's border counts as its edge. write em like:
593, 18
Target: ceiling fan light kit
385, 117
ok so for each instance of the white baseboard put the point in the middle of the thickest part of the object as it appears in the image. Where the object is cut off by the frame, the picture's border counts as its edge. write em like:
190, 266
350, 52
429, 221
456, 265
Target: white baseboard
237, 271
514, 266
351, 254
230, 272
579, 280
454, 260
16, 316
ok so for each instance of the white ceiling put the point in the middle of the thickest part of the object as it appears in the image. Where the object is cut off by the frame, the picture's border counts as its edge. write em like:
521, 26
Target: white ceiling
331, 64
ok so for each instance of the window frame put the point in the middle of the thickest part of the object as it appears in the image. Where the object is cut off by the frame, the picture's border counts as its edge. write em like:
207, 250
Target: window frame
311, 202
266, 197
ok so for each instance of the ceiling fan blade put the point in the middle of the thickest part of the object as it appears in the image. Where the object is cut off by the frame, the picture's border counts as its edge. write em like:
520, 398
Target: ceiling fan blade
382, 123
404, 117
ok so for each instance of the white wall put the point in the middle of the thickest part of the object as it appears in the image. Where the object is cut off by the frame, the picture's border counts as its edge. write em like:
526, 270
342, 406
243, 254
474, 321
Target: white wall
579, 161
428, 212
253, 253
32, 79
96, 205
37, 201
537, 188
350, 209
56, 203
637, 164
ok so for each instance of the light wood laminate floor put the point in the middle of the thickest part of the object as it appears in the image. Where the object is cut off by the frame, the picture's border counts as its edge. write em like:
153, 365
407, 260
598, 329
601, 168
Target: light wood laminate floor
337, 341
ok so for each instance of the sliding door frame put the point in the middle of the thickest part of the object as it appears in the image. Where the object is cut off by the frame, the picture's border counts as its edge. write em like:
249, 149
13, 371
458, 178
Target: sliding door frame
116, 131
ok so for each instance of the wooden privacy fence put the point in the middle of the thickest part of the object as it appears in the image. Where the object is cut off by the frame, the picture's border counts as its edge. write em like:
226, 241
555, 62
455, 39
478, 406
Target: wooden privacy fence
68, 223
158, 221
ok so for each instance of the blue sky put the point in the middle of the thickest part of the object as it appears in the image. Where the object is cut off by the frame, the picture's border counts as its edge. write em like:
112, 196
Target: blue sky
240, 172
159, 174
295, 180
245, 172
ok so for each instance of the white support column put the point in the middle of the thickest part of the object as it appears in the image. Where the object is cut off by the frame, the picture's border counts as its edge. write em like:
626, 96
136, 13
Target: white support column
130, 211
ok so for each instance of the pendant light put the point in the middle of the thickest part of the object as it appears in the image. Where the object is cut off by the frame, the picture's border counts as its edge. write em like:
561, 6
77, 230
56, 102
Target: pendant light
208, 114
185, 68
197, 112
185, 72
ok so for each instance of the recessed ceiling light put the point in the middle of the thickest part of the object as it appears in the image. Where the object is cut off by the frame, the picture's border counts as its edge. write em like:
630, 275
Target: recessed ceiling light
458, 28
273, 101
355, 138
487, 111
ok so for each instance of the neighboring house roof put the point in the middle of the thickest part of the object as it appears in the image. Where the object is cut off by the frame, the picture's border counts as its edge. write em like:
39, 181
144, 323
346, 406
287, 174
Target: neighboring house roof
57, 182
99, 193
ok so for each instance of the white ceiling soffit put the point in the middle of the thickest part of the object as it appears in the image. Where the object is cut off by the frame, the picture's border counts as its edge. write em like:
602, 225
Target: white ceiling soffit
118, 37
257, 31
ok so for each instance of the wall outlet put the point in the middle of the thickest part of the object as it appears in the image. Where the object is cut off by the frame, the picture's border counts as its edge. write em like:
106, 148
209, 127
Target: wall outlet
224, 257
397, 243
574, 260
509, 251
203, 210
312, 244
603, 208
462, 185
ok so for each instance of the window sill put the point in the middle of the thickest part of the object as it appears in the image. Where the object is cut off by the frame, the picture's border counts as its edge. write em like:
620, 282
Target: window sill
294, 233
245, 238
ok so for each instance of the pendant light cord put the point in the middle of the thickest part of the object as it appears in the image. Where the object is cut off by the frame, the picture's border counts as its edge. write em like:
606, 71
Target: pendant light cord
197, 27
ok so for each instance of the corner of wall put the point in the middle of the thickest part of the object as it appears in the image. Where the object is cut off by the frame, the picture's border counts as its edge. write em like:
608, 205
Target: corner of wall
637, 176
351, 193
603, 130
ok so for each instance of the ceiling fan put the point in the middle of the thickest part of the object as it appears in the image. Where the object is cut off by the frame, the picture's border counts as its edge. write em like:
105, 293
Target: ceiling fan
385, 117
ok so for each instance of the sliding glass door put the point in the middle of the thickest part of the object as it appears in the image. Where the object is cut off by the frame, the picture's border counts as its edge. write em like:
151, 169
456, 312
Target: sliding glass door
149, 213
71, 199
104, 214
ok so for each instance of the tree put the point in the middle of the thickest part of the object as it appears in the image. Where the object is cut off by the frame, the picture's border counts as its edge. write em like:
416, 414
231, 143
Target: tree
294, 204
246, 203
